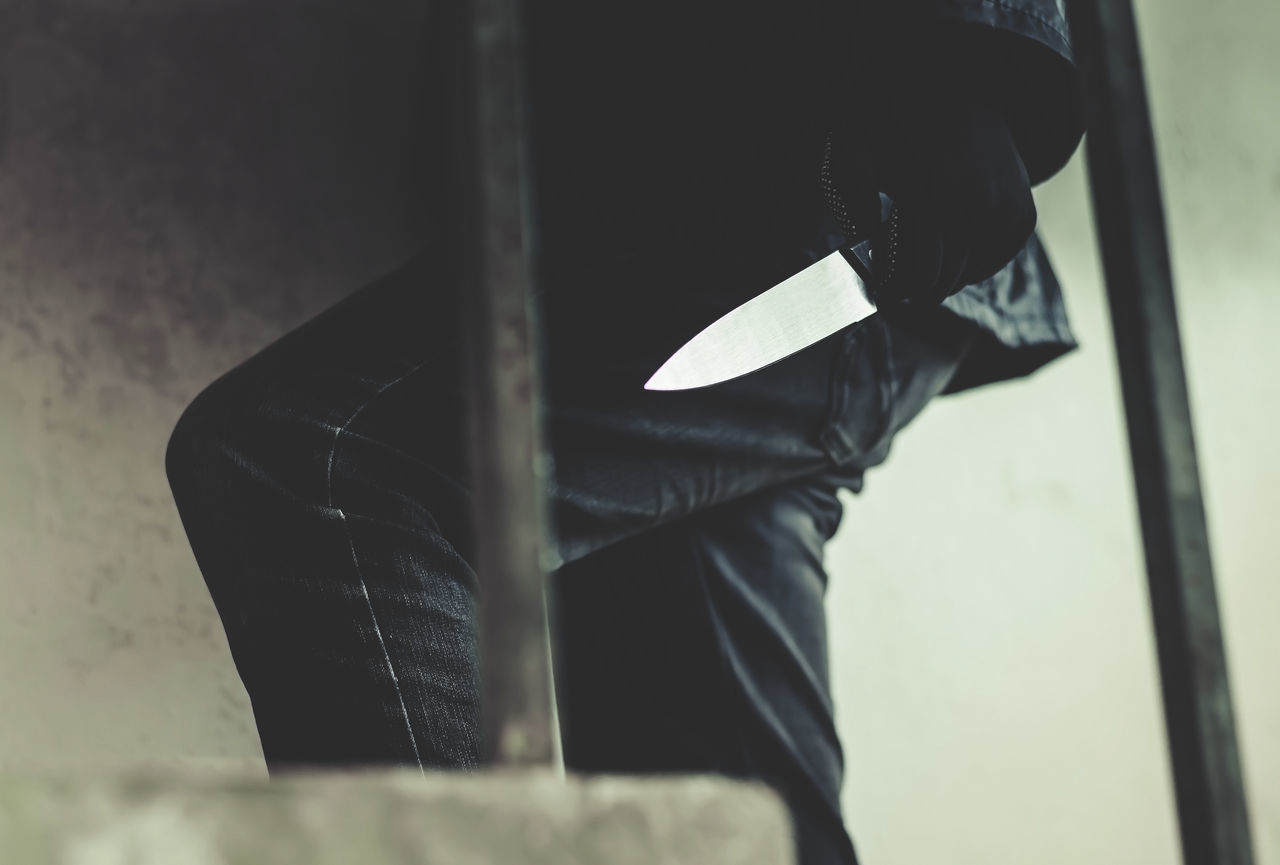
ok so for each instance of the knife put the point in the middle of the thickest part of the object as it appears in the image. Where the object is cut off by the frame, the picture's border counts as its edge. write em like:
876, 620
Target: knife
825, 297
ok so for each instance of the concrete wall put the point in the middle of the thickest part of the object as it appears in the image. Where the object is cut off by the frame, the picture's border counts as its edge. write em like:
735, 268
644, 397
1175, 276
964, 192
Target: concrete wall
181, 182
398, 817
164, 213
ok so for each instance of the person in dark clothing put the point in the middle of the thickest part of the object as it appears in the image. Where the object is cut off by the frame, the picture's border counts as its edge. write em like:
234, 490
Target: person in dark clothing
687, 156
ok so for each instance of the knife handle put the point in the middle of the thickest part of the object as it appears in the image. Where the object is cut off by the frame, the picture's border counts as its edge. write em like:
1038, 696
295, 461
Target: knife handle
858, 252
859, 257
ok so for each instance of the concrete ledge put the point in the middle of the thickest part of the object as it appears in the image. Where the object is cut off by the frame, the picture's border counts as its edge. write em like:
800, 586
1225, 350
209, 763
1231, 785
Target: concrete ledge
390, 818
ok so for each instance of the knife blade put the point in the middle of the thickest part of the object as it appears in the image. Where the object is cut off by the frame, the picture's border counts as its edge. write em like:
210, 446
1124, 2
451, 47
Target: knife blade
825, 297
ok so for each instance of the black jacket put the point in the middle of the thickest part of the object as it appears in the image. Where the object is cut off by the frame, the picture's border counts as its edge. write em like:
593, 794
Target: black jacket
675, 132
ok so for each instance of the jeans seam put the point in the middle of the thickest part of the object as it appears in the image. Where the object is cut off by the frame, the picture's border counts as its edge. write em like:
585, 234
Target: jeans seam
891, 385
831, 436
886, 385
727, 673
842, 448
739, 692
355, 559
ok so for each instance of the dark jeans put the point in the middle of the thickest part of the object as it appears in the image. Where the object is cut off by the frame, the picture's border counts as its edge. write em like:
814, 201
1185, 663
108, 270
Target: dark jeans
322, 485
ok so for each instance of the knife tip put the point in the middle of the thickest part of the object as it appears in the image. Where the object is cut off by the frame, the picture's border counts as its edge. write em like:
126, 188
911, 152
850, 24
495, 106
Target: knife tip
661, 381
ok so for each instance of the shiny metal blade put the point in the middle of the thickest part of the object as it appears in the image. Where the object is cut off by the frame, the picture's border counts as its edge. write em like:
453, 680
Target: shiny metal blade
825, 297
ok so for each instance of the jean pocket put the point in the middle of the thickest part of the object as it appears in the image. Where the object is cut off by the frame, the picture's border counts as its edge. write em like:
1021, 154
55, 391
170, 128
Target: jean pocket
925, 349
860, 404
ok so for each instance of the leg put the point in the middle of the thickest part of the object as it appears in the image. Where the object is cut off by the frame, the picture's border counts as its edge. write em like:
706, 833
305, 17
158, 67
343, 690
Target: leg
322, 484
701, 648
318, 486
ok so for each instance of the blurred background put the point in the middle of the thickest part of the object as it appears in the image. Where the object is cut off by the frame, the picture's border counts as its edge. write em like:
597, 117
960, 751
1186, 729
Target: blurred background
182, 181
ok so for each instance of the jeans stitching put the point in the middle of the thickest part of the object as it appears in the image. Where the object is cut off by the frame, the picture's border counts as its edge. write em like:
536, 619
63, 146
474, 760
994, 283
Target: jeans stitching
733, 682
364, 588
842, 447
890, 385
1034, 16
831, 437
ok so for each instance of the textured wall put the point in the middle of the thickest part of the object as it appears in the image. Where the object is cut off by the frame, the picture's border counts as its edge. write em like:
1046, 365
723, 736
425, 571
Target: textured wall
180, 183
183, 181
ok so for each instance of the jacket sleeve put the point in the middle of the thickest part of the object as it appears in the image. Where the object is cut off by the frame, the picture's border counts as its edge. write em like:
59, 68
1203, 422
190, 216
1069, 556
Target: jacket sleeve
1019, 49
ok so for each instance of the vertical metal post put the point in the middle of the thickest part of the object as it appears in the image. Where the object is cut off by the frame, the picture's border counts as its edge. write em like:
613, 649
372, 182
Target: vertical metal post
494, 241
1124, 185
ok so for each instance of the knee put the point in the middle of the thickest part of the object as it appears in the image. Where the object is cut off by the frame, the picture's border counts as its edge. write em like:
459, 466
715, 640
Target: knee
192, 441
257, 434
211, 428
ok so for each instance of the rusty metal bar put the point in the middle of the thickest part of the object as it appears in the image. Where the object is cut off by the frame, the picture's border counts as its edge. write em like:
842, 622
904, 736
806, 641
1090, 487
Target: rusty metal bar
495, 243
1124, 184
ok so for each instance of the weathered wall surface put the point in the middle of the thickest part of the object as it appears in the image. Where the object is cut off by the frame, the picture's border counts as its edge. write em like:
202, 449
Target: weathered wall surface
182, 181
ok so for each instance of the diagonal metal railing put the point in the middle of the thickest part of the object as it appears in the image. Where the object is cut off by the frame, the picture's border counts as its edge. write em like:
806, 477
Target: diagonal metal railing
1129, 216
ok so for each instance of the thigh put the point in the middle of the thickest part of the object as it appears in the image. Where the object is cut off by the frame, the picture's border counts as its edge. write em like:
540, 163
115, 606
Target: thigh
369, 395
702, 647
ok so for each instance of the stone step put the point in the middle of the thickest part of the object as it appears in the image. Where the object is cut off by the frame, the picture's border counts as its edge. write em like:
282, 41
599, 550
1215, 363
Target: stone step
389, 817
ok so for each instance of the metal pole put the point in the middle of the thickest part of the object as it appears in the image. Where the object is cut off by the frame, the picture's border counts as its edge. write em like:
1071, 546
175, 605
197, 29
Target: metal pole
1124, 185
494, 241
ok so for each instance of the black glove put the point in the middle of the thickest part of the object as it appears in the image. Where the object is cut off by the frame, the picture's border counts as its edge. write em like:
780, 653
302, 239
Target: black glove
947, 158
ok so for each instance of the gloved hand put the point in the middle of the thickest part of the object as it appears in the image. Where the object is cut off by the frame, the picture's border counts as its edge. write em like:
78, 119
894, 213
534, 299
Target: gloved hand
946, 156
